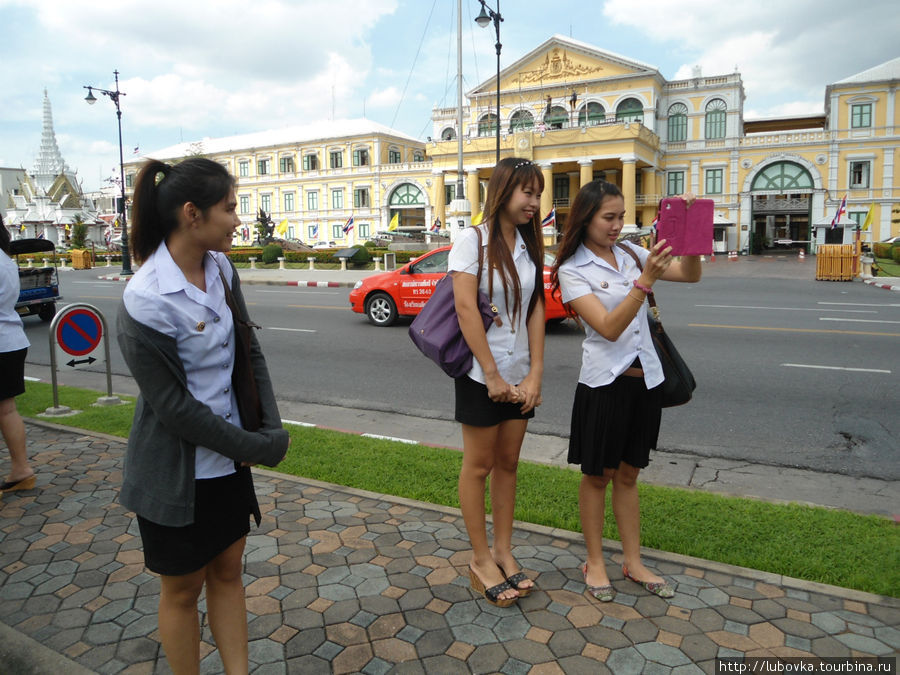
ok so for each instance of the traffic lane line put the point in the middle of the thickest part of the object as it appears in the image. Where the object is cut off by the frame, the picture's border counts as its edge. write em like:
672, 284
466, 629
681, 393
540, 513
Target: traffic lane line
792, 309
342, 309
853, 370
298, 292
793, 330
826, 318
860, 304
293, 330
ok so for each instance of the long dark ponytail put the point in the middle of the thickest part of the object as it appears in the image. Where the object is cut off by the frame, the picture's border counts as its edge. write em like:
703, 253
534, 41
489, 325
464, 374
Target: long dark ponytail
162, 189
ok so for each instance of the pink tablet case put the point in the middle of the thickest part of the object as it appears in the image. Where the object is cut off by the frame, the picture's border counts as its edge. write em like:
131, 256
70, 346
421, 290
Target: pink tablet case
689, 231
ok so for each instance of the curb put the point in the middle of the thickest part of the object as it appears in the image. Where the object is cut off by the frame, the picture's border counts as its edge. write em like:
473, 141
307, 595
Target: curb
888, 287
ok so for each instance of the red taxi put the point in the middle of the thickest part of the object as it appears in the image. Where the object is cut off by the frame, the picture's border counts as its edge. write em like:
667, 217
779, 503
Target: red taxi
403, 292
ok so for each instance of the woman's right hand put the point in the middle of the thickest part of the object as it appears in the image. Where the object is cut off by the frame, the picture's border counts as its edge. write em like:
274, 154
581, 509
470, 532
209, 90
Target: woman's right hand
499, 390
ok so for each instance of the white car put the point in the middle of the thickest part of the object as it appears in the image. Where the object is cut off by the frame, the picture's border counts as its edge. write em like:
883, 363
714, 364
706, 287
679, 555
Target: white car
324, 244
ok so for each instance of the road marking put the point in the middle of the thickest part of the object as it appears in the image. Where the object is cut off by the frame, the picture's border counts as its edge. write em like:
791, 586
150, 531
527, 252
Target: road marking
859, 304
793, 330
299, 424
855, 370
792, 309
390, 438
825, 318
32, 379
343, 309
293, 330
303, 292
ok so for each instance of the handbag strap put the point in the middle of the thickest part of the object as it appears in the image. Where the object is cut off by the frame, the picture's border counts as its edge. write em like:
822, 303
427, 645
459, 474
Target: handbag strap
651, 299
229, 300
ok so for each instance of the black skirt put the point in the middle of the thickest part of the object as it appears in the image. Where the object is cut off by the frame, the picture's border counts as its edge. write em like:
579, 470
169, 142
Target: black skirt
12, 373
475, 408
618, 422
222, 510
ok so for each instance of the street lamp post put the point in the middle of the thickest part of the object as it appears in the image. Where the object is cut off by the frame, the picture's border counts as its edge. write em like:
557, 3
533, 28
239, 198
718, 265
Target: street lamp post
114, 96
483, 19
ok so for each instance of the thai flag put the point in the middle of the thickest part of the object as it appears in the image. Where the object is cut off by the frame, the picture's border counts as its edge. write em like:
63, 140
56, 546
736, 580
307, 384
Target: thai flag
842, 209
348, 225
107, 237
437, 225
41, 235
315, 231
550, 219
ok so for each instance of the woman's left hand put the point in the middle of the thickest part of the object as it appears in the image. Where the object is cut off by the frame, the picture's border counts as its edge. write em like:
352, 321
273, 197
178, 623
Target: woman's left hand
529, 393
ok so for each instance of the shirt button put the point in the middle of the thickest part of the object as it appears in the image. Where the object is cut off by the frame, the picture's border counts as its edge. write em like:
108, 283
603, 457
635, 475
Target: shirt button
227, 416
225, 344
509, 351
224, 365
216, 320
226, 390
625, 283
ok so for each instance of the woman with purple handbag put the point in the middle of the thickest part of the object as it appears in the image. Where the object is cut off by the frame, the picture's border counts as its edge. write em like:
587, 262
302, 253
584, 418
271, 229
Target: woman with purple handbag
497, 397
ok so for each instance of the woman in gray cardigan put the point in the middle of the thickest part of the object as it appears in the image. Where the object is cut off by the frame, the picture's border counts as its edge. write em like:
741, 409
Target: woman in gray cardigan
187, 473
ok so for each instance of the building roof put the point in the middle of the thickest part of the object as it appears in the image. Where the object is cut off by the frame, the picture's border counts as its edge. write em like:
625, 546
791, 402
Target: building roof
306, 133
889, 70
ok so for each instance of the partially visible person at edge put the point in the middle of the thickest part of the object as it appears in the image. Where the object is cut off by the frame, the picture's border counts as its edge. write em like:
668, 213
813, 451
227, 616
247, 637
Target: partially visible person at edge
187, 473
497, 397
13, 348
617, 408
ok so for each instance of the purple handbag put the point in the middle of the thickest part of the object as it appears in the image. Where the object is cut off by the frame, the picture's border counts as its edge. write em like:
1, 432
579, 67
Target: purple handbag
436, 332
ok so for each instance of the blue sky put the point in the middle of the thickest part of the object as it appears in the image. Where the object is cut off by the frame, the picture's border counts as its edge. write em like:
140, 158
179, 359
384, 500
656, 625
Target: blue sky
205, 69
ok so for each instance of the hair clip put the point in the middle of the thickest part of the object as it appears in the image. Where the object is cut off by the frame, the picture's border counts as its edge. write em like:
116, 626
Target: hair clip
524, 162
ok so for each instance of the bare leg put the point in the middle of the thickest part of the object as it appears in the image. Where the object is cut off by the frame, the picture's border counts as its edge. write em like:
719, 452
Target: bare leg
503, 493
592, 507
13, 430
227, 607
179, 621
626, 507
479, 445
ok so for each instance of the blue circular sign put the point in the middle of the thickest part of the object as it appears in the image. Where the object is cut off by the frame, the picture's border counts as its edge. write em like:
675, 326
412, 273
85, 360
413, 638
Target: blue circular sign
79, 332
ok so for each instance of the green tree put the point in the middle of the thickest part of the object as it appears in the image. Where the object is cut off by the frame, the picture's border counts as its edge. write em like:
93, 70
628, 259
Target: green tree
79, 231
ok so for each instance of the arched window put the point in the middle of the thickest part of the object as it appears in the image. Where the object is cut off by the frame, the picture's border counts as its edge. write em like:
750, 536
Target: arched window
521, 120
630, 110
418, 156
715, 118
556, 118
487, 125
591, 115
448, 134
784, 177
678, 122
407, 194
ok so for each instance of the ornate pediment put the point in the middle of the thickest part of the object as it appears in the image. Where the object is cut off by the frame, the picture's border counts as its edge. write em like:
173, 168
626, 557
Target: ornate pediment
559, 65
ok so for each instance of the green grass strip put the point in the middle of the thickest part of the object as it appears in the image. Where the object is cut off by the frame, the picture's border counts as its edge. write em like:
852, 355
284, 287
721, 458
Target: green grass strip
817, 544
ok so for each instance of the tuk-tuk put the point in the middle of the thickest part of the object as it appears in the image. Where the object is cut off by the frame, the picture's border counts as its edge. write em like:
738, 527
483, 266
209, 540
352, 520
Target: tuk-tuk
38, 286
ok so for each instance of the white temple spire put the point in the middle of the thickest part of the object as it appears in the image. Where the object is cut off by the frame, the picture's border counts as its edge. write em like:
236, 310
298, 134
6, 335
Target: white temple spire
49, 163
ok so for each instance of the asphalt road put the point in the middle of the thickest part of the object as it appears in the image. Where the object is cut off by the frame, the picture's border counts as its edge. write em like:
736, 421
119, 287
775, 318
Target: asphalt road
790, 371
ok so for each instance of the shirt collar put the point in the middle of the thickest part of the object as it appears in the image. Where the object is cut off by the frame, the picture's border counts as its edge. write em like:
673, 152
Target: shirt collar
584, 256
172, 280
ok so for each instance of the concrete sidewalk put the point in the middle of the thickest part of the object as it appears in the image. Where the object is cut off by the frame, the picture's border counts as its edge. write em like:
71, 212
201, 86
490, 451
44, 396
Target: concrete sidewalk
341, 580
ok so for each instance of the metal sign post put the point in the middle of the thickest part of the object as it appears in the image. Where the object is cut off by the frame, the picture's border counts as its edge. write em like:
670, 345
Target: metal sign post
78, 339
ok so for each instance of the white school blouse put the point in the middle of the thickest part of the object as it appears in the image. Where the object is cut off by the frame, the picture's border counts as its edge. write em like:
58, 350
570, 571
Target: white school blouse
602, 361
509, 342
160, 296
12, 331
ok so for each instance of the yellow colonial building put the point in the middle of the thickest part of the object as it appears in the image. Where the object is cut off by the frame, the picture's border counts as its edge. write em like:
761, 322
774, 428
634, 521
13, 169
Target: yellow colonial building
316, 177
582, 113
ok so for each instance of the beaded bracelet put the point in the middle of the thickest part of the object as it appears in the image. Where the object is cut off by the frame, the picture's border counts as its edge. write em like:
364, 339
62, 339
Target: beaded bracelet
641, 287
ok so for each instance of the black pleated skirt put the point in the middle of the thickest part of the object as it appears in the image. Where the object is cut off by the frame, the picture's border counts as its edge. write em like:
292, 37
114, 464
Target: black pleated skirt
12, 373
618, 422
222, 510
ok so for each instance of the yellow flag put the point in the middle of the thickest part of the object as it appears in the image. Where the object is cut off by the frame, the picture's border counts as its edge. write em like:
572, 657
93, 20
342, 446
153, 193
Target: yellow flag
870, 217
395, 222
282, 227
477, 219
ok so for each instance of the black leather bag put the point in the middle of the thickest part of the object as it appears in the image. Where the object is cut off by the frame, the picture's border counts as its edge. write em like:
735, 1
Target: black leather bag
679, 384
243, 380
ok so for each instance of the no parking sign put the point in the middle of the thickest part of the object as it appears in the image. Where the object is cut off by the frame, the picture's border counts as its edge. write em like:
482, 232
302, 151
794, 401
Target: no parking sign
79, 332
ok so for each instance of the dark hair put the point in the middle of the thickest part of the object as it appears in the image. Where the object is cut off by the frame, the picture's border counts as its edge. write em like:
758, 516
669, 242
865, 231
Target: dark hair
4, 237
587, 202
162, 189
510, 173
